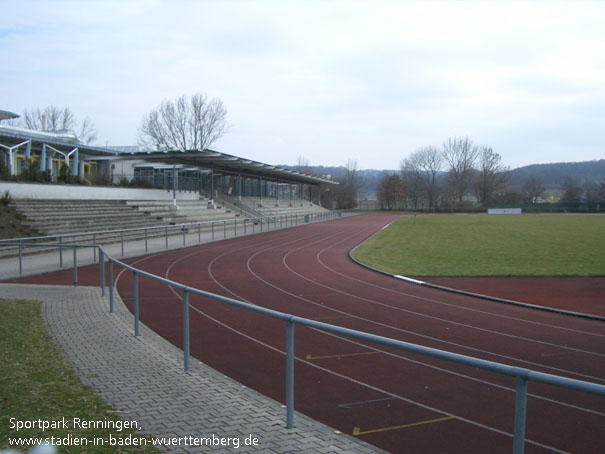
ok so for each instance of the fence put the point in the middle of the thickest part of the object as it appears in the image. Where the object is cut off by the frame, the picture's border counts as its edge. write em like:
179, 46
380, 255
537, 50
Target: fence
522, 376
212, 229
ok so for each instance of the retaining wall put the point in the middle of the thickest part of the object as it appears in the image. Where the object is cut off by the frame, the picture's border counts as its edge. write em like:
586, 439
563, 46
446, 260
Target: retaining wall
20, 190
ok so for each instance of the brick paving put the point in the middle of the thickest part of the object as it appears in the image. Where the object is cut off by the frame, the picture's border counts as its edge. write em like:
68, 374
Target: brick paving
143, 379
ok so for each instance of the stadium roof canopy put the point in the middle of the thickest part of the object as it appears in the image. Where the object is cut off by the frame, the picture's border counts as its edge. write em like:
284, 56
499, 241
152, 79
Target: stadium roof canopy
201, 159
225, 163
64, 141
6, 115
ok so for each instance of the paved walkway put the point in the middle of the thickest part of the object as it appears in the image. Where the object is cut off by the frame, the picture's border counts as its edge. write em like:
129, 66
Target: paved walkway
143, 378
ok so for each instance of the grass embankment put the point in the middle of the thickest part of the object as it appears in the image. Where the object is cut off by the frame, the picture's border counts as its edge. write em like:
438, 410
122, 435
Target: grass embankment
37, 384
484, 245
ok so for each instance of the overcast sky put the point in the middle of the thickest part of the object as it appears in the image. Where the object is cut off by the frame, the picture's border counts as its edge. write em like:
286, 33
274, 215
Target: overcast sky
329, 81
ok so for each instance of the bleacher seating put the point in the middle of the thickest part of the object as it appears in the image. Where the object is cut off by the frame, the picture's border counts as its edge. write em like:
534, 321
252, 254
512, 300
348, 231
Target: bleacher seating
272, 206
56, 217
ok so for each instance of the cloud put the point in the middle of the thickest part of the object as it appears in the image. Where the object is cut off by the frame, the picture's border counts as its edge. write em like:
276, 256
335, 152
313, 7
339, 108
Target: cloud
330, 81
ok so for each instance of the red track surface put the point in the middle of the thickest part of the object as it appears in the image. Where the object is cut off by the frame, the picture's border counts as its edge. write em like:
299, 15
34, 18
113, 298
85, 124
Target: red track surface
398, 401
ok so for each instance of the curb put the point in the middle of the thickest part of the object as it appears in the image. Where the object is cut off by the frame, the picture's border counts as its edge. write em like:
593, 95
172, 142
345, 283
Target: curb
474, 295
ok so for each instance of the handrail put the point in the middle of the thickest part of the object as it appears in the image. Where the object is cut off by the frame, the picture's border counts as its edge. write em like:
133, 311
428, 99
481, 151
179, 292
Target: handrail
155, 227
521, 375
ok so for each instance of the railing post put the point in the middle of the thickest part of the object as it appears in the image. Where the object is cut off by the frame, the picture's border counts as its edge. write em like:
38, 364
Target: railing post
101, 271
184, 230
20, 258
235, 227
94, 249
61, 251
186, 329
135, 279
75, 266
145, 239
166, 237
520, 414
289, 374
199, 232
110, 286
212, 230
224, 229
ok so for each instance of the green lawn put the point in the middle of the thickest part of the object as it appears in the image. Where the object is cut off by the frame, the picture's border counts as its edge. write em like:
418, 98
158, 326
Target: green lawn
36, 383
484, 245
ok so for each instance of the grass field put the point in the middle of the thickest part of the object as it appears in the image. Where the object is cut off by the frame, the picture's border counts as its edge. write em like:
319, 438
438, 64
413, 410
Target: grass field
36, 383
484, 245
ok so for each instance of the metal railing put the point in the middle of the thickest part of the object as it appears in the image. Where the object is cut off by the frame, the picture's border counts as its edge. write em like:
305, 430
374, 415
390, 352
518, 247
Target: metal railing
224, 228
522, 376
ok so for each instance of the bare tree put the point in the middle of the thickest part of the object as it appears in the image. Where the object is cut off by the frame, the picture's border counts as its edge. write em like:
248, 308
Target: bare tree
490, 176
54, 119
187, 123
390, 190
533, 190
460, 154
421, 169
87, 132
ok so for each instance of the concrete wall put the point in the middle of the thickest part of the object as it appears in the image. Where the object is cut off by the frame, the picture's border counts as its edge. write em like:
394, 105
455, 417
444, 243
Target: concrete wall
20, 190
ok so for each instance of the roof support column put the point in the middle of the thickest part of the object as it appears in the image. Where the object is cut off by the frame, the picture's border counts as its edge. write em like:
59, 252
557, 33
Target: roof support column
260, 192
43, 158
174, 181
212, 187
239, 188
75, 164
11, 157
290, 194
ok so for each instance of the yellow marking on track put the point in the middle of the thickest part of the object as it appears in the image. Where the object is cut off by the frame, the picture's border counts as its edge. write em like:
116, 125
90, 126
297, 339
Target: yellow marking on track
357, 431
341, 356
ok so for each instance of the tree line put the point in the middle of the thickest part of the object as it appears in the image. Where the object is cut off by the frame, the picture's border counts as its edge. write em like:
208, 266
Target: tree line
461, 174
433, 177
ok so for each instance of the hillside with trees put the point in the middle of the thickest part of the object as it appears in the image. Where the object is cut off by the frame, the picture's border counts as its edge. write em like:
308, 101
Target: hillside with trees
464, 176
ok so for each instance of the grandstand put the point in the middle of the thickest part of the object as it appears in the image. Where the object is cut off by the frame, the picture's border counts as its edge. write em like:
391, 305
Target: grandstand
167, 187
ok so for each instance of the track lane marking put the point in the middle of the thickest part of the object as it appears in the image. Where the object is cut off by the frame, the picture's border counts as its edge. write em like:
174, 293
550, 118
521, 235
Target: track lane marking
424, 336
364, 402
357, 431
250, 244
494, 314
341, 356
348, 378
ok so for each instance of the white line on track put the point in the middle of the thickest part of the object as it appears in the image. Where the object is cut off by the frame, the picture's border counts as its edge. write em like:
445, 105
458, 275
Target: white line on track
236, 295
405, 310
256, 243
443, 303
367, 385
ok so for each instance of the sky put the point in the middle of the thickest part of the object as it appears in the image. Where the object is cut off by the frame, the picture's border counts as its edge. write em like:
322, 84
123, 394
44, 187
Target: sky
328, 82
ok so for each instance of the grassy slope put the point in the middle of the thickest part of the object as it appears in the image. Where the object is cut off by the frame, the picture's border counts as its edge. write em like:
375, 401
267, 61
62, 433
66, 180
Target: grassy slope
37, 383
482, 245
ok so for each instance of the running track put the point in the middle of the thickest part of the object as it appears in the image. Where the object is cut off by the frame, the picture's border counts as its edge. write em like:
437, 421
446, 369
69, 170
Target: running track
397, 401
